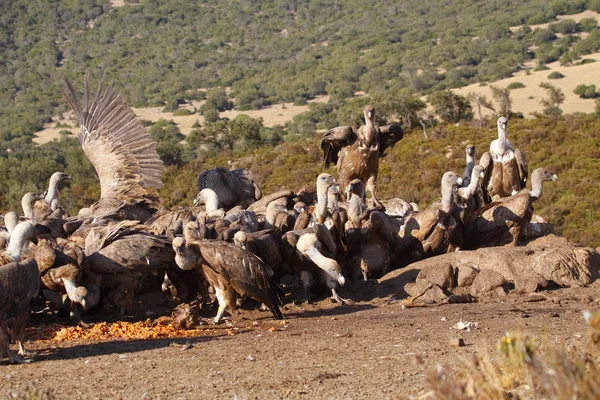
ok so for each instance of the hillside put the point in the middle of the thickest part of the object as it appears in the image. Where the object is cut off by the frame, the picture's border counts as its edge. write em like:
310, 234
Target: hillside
162, 52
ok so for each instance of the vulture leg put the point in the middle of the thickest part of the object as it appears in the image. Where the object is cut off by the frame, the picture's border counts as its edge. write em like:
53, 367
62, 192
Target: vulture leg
226, 299
331, 284
365, 275
18, 330
371, 187
4, 349
305, 279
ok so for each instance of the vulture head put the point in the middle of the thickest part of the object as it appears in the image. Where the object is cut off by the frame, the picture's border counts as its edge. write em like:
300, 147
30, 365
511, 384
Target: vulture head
299, 208
450, 184
545, 175
191, 231
210, 199
184, 258
59, 178
324, 181
470, 149
27, 202
369, 112
240, 239
307, 244
356, 187
502, 124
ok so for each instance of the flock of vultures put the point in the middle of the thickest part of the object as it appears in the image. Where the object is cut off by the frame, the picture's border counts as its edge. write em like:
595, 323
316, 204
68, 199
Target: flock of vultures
234, 242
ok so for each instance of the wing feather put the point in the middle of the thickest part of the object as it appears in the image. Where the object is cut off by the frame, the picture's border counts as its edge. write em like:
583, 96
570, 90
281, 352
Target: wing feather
115, 141
388, 135
334, 140
523, 168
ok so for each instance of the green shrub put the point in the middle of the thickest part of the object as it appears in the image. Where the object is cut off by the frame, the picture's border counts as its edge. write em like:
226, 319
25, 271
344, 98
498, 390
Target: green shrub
586, 91
556, 75
182, 112
541, 67
515, 85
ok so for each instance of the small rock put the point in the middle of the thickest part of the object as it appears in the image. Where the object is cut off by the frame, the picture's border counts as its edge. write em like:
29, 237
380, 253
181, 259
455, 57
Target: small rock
251, 358
486, 281
500, 291
457, 342
535, 297
460, 298
466, 274
441, 275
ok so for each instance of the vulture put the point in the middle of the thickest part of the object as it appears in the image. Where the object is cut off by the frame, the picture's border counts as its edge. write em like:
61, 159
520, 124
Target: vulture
356, 151
506, 167
233, 187
209, 198
171, 222
470, 154
436, 230
278, 217
19, 283
301, 215
124, 254
311, 255
11, 219
264, 244
43, 208
500, 222
469, 198
64, 269
231, 270
370, 236
122, 152
27, 203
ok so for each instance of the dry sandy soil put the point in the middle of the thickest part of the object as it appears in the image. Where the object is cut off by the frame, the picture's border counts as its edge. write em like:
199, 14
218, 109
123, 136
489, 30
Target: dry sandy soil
273, 115
372, 349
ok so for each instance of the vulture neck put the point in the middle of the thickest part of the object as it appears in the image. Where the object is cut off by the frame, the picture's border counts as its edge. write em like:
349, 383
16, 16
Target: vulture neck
369, 131
27, 207
537, 183
271, 213
321, 212
52, 195
19, 236
501, 141
210, 199
356, 210
447, 197
307, 245
11, 220
332, 202
473, 185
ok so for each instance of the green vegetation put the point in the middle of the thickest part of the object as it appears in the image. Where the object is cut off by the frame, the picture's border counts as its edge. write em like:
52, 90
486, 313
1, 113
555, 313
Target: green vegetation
161, 53
515, 85
182, 112
555, 75
586, 91
554, 100
451, 107
541, 68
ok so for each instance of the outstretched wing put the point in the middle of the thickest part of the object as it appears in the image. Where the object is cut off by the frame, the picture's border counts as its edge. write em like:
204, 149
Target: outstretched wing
388, 135
523, 168
115, 141
334, 140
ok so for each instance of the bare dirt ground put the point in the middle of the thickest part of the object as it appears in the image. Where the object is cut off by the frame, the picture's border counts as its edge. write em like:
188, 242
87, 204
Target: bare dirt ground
372, 349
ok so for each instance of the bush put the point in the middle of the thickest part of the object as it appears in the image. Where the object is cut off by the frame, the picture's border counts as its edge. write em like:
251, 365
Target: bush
182, 112
541, 68
211, 115
586, 92
556, 75
515, 85
588, 24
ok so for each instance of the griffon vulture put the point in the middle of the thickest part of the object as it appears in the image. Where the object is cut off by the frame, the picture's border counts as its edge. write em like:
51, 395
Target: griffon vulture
235, 187
356, 152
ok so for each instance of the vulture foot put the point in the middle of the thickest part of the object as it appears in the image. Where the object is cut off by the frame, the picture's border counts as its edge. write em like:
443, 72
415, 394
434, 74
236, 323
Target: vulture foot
335, 297
17, 359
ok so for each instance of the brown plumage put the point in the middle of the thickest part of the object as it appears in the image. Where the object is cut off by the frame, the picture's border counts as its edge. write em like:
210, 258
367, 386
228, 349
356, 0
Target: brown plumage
500, 222
171, 222
230, 270
468, 199
436, 230
121, 150
370, 236
302, 216
278, 217
64, 269
356, 152
508, 166
19, 283
233, 187
265, 245
124, 253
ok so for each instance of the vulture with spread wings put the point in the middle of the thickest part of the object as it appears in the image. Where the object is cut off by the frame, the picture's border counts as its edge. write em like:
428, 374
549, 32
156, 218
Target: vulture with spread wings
356, 151
121, 150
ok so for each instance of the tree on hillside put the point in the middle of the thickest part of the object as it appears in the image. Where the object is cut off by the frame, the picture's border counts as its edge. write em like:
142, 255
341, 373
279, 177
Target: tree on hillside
391, 106
451, 107
554, 100
502, 97
480, 101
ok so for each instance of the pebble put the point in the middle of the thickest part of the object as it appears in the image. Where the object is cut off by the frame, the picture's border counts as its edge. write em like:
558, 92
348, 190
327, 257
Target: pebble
457, 342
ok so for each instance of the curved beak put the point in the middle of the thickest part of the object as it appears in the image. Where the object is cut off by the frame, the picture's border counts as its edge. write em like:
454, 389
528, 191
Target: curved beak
554, 177
459, 181
196, 201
